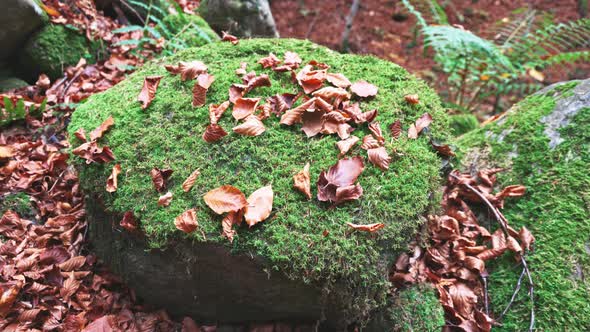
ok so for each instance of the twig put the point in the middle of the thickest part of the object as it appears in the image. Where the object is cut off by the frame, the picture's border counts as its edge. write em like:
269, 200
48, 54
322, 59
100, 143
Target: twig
349, 19
503, 222
486, 301
516, 290
67, 87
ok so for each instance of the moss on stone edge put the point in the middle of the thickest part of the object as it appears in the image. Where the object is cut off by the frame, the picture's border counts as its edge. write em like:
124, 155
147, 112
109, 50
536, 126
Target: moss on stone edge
556, 209
52, 49
190, 29
168, 134
463, 123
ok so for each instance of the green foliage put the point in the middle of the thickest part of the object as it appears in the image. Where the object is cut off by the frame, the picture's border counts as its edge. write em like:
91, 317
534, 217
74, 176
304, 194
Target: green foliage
168, 134
463, 123
17, 202
556, 209
18, 111
478, 68
417, 309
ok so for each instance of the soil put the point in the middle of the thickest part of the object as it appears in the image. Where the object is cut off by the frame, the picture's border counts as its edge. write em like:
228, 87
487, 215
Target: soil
385, 29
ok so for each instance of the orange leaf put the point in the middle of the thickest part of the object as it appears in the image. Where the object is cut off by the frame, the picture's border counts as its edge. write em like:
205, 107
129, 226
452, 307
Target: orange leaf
259, 205
43, 82
225, 199
251, 127
379, 157
73, 263
165, 199
159, 177
364, 89
187, 221
371, 228
187, 70
338, 80
148, 91
216, 111
412, 99
112, 180
526, 237
190, 181
270, 61
230, 38
8, 297
100, 130
301, 181
375, 129
213, 133
80, 134
232, 218
129, 222
369, 142
200, 89
345, 145
396, 129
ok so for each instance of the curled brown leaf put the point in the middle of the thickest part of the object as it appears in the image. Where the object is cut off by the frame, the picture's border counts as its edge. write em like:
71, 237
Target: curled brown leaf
345, 145
371, 228
112, 180
100, 130
165, 199
251, 127
94, 153
396, 129
243, 107
229, 38
129, 223
225, 199
216, 111
148, 91
301, 181
338, 80
200, 89
187, 70
190, 180
187, 221
231, 219
379, 157
412, 99
160, 177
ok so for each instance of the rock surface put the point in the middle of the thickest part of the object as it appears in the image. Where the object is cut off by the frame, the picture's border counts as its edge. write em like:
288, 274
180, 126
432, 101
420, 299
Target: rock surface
304, 262
544, 142
19, 19
243, 18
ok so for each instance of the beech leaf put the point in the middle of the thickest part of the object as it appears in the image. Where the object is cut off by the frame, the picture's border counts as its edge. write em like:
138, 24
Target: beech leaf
396, 129
200, 89
251, 127
345, 145
213, 133
379, 157
371, 228
190, 180
148, 91
216, 111
160, 177
338, 80
259, 206
412, 99
112, 180
243, 107
225, 199
129, 223
165, 199
364, 89
187, 221
301, 181
231, 219
229, 38
100, 130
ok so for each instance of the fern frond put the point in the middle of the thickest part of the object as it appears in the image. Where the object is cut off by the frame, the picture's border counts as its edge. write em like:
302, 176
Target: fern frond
565, 59
516, 28
435, 13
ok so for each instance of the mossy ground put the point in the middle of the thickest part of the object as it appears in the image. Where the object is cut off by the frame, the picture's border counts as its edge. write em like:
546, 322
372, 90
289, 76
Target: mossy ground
17, 202
192, 30
52, 49
556, 209
463, 123
168, 135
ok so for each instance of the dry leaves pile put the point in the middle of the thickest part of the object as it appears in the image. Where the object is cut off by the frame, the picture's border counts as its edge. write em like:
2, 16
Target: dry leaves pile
455, 259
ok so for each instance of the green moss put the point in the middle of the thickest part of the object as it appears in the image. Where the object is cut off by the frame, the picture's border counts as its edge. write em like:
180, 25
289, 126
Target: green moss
191, 30
168, 134
9, 83
463, 123
417, 309
17, 202
52, 49
556, 209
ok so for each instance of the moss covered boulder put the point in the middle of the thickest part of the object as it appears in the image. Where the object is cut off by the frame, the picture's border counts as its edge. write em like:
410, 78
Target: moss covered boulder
544, 142
52, 49
187, 30
304, 262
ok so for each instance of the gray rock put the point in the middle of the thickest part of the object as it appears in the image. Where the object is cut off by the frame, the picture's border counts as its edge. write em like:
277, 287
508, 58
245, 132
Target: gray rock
18, 19
565, 110
244, 18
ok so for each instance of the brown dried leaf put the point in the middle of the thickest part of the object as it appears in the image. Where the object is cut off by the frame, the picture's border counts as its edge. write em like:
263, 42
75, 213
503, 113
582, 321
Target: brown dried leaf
345, 145
443, 149
412, 99
187, 70
270, 61
165, 199
7, 151
112, 180
379, 157
200, 89
251, 127
80, 134
511, 191
229, 38
371, 228
367, 116
148, 91
337, 185
338, 80
187, 221
129, 222
281, 102
93, 153
190, 181
375, 129
301, 181
100, 130
259, 205
244, 107
160, 177
424, 121
216, 111
396, 129
43, 82
369, 142
225, 199
232, 218
364, 89
526, 238
74, 263
8, 298
330, 94
512, 244
242, 70
309, 79
312, 122
213, 133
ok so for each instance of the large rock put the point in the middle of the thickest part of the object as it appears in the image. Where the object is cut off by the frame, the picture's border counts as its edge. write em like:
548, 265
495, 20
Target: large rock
244, 18
18, 19
544, 142
304, 263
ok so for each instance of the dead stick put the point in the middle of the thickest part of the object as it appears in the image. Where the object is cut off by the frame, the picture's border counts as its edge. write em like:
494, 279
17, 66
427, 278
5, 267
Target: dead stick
516, 290
503, 222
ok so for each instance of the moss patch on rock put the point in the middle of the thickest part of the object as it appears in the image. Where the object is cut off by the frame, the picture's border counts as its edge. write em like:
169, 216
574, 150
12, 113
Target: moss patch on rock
187, 30
292, 240
463, 123
17, 202
52, 49
556, 207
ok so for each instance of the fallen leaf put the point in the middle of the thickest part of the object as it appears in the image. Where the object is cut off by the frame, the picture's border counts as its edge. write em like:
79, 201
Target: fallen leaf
312, 122
80, 134
251, 127
231, 219
345, 145
243, 107
69, 287
364, 89
8, 298
7, 151
379, 157
229, 38
100, 130
526, 238
330, 94
200, 89
301, 181
213, 133
337, 185
190, 181
412, 99
443, 149
270, 61
422, 122
165, 199
216, 111
43, 82
294, 115
310, 79
148, 91
93, 153
187, 221
242, 70
160, 177
338, 80
129, 222
371, 228
112, 180
291, 62
225, 199
72, 264
537, 75
281, 102
396, 129
367, 116
375, 129
259, 206
187, 70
